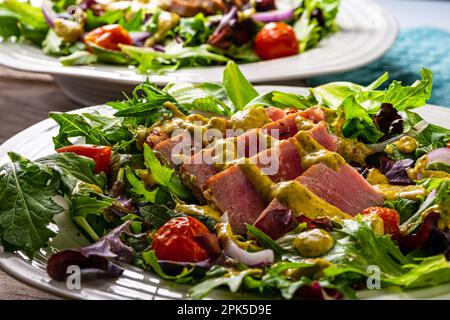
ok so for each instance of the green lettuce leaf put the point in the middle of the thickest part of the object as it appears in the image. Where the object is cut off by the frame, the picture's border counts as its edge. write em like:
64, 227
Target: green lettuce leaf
239, 90
358, 247
308, 28
135, 23
408, 97
78, 167
26, 204
358, 123
8, 23
29, 20
165, 176
207, 97
401, 97
219, 276
282, 100
78, 58
429, 138
108, 17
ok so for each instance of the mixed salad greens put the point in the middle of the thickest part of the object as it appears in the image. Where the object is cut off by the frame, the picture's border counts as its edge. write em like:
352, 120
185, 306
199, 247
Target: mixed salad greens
157, 36
134, 206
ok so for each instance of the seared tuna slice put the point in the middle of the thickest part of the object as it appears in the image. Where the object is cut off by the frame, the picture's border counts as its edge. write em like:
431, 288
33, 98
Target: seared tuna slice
345, 189
232, 193
196, 171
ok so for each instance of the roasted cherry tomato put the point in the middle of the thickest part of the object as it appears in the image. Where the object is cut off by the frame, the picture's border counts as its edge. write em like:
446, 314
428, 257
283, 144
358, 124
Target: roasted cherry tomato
276, 40
108, 37
101, 155
390, 217
174, 241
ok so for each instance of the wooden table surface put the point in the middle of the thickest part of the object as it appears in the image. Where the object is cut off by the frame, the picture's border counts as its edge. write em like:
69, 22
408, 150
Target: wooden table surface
24, 100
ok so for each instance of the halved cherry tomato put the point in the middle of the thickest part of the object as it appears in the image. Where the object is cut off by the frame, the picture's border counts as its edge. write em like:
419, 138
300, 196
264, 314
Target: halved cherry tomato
101, 155
390, 217
276, 40
108, 37
174, 241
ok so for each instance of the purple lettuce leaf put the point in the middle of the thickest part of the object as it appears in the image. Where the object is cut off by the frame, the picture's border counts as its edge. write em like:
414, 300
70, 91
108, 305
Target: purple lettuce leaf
96, 257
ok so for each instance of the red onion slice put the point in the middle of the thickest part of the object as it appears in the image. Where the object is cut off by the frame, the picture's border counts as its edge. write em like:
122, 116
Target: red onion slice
439, 155
139, 37
259, 258
49, 15
428, 200
273, 16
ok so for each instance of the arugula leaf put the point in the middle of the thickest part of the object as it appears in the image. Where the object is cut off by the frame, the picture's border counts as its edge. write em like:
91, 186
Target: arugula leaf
405, 207
358, 123
145, 106
275, 278
150, 259
113, 128
138, 187
238, 88
158, 215
26, 204
94, 128
194, 31
174, 57
74, 125
266, 241
165, 176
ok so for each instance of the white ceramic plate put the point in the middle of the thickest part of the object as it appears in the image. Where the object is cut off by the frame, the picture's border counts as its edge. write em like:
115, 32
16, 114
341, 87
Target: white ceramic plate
367, 31
36, 141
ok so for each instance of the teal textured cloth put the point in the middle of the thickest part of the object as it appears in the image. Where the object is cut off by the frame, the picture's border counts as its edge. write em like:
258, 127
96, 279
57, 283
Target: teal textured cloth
413, 49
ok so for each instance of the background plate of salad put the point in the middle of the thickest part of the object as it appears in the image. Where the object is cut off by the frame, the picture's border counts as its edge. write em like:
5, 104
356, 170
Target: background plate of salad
126, 41
112, 201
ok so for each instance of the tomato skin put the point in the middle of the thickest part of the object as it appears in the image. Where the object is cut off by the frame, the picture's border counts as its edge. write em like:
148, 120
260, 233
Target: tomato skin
390, 217
108, 37
174, 241
101, 155
276, 40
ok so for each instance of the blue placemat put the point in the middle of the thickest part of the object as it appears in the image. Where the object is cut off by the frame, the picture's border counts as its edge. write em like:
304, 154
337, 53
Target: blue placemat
412, 49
